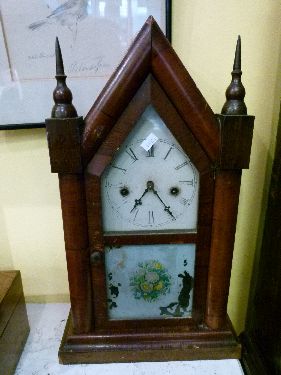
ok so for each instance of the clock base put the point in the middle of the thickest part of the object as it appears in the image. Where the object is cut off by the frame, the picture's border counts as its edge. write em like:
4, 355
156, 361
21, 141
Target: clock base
173, 345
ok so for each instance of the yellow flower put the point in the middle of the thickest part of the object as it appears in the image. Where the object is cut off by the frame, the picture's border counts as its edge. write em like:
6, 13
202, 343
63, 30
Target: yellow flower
158, 265
159, 286
146, 287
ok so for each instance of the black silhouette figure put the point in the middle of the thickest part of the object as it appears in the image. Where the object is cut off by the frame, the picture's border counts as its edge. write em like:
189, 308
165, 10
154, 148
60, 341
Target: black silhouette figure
187, 284
183, 298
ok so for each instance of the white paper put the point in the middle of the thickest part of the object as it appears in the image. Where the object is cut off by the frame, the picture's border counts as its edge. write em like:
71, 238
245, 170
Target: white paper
149, 141
94, 36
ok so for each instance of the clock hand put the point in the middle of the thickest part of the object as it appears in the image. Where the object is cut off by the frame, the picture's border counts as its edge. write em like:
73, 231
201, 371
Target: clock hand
138, 202
150, 186
166, 208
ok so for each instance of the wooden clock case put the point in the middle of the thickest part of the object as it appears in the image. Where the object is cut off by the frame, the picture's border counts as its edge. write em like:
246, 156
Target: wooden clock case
218, 145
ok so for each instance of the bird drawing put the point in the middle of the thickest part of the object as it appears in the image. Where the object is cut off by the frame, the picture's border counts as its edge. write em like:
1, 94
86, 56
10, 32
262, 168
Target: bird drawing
68, 14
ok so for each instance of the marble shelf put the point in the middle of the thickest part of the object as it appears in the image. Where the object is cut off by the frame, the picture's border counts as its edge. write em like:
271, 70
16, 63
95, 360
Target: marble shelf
40, 357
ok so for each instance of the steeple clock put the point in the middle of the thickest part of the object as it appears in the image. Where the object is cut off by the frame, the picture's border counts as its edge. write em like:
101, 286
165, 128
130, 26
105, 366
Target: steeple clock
149, 185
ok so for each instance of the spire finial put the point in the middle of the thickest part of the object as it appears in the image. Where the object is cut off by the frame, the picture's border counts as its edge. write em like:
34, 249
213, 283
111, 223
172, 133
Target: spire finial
59, 60
62, 95
237, 58
235, 92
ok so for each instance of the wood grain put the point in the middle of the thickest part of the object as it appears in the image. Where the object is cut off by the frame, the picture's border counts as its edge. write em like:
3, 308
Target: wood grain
169, 345
151, 53
74, 213
14, 326
182, 91
226, 200
150, 92
150, 74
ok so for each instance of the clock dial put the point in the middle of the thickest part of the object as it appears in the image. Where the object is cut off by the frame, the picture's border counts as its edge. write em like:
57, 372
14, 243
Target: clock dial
150, 183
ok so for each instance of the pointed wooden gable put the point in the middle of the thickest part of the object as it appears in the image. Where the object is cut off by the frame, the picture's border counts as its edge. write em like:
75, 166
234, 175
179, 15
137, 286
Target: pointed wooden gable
151, 55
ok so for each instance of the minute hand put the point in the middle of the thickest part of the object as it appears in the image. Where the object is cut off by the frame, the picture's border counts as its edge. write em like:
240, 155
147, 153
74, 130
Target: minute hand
166, 208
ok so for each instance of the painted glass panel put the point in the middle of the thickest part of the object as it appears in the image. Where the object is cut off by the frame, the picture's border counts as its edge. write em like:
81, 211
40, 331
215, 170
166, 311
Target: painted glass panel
150, 281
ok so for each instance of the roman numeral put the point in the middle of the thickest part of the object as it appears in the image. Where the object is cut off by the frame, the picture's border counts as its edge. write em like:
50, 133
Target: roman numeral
181, 165
132, 154
150, 217
150, 152
188, 182
137, 211
170, 149
184, 201
121, 169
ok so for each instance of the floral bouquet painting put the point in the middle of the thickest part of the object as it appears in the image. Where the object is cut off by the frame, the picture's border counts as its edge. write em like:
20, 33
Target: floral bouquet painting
150, 281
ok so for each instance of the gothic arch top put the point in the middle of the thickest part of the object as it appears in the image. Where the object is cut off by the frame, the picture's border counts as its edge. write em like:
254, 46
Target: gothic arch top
151, 53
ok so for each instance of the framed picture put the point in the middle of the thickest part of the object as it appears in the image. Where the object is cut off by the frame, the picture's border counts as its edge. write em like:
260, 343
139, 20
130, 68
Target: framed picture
27, 61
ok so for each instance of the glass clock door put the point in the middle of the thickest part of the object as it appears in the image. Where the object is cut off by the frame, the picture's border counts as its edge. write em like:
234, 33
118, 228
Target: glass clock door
151, 183
151, 186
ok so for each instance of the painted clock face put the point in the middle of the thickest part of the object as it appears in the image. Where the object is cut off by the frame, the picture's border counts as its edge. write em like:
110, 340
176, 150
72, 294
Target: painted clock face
151, 183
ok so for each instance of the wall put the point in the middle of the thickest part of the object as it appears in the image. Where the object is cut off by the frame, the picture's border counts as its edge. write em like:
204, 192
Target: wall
204, 36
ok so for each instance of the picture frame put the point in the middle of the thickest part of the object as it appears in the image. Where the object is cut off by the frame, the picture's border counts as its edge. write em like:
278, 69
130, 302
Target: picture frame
27, 62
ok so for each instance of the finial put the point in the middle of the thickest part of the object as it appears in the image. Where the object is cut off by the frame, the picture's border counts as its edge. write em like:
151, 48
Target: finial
59, 60
62, 95
235, 92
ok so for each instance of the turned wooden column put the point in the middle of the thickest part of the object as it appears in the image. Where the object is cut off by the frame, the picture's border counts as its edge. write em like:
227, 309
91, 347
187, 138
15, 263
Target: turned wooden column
236, 129
64, 132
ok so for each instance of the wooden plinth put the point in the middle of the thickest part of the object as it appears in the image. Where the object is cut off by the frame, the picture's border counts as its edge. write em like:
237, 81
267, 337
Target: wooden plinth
14, 327
155, 345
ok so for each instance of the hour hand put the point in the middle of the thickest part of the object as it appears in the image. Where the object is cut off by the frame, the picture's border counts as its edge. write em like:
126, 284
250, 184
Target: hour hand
138, 202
